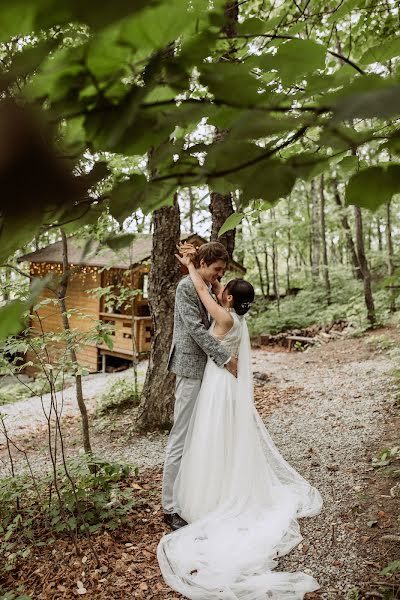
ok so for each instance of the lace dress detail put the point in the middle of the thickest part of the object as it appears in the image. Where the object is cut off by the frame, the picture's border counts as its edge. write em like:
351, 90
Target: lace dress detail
231, 339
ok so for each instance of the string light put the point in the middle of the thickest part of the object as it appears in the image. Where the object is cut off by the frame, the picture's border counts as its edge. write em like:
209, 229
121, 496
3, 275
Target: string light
56, 269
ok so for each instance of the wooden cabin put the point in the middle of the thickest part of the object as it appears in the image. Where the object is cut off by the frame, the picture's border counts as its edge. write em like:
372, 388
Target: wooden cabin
97, 267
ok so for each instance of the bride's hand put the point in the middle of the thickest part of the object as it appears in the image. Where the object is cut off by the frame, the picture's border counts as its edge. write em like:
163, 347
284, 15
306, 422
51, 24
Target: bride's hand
186, 249
184, 260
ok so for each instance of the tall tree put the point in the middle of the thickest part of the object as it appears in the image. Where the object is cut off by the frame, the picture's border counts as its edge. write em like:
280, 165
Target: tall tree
315, 232
347, 229
362, 259
157, 398
275, 259
323, 241
389, 251
289, 246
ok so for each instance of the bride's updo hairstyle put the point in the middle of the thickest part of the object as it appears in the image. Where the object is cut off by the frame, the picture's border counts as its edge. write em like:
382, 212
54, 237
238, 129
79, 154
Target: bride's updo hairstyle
243, 295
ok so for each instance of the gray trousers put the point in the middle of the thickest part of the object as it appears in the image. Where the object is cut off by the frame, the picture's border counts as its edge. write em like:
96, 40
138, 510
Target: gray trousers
186, 392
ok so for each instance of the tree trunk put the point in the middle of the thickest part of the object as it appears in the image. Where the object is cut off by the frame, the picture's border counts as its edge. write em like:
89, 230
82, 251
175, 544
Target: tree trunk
191, 210
275, 275
315, 232
157, 400
369, 301
240, 243
347, 229
289, 248
379, 232
323, 240
267, 275
62, 292
221, 208
258, 262
389, 241
389, 249
310, 246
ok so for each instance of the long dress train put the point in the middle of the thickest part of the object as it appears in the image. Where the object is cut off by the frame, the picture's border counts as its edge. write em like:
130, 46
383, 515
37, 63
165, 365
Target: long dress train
238, 494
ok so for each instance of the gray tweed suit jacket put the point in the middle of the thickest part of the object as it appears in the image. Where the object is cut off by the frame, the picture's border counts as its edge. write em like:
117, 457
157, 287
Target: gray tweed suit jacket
191, 342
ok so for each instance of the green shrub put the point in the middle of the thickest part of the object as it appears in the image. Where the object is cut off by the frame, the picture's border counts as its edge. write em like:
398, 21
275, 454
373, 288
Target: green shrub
31, 511
119, 395
309, 307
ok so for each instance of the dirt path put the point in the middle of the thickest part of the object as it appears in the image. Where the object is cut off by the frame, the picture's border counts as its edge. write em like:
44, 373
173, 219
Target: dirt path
329, 411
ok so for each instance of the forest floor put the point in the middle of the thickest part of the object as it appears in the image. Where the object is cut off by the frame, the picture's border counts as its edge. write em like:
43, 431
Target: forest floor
330, 410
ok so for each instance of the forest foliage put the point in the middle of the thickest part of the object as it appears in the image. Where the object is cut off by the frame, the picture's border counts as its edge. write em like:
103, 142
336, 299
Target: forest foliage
302, 89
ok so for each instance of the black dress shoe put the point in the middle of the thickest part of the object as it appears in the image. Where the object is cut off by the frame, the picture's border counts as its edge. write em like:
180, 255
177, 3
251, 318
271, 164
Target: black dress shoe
174, 521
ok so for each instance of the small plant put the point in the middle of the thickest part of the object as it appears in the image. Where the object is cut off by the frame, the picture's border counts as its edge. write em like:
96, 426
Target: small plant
388, 462
13, 596
84, 500
391, 568
119, 395
386, 457
352, 594
381, 343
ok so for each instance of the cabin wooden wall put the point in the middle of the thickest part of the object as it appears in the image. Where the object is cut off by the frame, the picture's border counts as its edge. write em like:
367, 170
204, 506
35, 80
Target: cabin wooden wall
77, 298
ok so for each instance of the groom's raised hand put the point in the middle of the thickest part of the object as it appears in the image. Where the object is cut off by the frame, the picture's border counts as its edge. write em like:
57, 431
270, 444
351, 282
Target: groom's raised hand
232, 366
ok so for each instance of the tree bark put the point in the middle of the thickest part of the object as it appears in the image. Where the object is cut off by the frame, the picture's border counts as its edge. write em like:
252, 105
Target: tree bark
258, 262
315, 232
389, 241
62, 292
275, 275
191, 210
389, 249
323, 240
369, 301
221, 208
379, 233
157, 400
347, 229
289, 247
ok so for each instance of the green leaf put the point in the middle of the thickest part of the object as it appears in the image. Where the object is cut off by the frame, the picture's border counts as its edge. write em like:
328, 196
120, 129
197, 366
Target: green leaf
12, 318
136, 193
392, 567
372, 187
157, 26
222, 81
117, 242
108, 340
369, 104
295, 59
382, 53
344, 8
348, 164
256, 124
269, 180
231, 223
106, 56
255, 26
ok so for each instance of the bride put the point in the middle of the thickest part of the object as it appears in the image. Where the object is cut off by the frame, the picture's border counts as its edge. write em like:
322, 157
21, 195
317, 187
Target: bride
241, 499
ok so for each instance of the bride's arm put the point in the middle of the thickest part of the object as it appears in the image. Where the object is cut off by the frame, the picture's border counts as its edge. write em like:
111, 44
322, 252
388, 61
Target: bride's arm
218, 313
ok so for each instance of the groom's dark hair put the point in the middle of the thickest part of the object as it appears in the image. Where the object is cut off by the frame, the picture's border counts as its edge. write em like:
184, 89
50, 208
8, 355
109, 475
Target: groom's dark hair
211, 252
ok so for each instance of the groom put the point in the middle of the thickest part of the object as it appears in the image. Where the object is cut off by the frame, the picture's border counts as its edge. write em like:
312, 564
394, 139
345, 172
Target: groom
191, 344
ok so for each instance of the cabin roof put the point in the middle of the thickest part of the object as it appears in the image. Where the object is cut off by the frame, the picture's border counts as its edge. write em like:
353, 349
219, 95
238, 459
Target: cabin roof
99, 255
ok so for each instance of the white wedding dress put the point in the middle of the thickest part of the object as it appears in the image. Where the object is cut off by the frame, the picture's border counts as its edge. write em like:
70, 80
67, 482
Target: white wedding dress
239, 496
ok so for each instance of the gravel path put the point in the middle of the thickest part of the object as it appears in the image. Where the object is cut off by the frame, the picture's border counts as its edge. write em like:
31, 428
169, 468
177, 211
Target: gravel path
26, 416
327, 434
